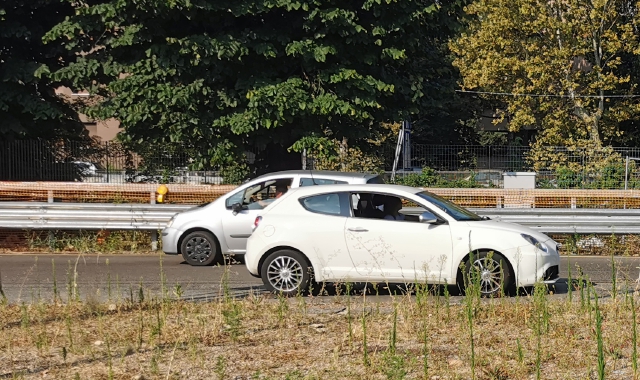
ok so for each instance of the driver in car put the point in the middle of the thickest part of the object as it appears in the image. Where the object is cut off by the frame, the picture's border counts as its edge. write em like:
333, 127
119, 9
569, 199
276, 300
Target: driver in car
392, 206
281, 188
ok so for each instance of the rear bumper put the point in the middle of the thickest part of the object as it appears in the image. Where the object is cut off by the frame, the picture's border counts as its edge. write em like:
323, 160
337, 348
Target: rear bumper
252, 257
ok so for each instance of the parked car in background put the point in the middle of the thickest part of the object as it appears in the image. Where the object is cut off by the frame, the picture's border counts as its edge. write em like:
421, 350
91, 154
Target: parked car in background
203, 234
86, 168
392, 234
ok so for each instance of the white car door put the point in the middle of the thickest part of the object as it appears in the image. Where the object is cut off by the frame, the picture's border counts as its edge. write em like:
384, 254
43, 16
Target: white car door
253, 199
397, 250
323, 230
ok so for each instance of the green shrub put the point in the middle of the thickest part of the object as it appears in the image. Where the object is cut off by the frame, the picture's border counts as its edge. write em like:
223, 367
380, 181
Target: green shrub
235, 174
611, 177
568, 178
431, 178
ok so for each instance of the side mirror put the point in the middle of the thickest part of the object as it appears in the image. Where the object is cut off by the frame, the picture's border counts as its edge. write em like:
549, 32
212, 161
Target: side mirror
236, 208
427, 217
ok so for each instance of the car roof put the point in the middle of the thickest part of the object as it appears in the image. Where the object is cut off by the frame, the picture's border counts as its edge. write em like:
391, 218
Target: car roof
324, 173
369, 188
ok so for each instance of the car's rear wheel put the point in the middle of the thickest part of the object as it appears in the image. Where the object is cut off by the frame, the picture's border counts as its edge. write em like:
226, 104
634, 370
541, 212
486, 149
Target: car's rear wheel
286, 272
490, 272
200, 248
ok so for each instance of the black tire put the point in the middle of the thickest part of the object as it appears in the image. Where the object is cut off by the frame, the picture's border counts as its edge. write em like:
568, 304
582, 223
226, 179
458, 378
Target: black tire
493, 274
286, 272
200, 248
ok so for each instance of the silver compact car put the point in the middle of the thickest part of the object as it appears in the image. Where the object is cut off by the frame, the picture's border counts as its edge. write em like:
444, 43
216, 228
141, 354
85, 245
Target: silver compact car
206, 232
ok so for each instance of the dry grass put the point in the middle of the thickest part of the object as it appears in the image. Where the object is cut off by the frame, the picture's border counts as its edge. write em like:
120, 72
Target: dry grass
71, 241
267, 337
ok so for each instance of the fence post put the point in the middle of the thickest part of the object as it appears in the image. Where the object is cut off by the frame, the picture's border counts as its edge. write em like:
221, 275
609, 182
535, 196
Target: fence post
106, 151
10, 166
154, 233
304, 159
626, 172
584, 168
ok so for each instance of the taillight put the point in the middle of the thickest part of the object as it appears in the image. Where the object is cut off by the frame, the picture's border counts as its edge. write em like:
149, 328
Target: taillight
257, 222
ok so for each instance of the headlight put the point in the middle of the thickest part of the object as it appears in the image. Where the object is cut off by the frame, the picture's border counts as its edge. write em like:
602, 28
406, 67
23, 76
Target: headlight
540, 245
170, 222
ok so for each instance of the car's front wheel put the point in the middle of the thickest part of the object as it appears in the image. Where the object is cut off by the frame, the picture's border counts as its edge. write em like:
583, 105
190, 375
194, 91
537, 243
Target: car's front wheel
286, 272
200, 248
490, 272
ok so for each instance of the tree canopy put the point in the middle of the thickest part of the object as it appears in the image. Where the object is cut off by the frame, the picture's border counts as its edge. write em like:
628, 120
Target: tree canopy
571, 61
224, 74
29, 107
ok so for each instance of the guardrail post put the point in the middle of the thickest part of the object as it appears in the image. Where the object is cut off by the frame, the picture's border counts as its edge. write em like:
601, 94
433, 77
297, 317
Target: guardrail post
50, 196
573, 202
154, 240
152, 197
498, 202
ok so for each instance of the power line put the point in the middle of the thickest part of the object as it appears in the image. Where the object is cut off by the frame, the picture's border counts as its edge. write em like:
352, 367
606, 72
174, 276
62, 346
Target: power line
545, 95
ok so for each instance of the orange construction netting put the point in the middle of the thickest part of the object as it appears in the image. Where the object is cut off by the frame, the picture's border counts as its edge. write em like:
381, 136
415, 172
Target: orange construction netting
197, 194
107, 193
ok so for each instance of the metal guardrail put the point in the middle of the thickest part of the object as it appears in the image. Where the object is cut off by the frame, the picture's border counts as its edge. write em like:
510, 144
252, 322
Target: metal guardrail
153, 217
570, 221
86, 216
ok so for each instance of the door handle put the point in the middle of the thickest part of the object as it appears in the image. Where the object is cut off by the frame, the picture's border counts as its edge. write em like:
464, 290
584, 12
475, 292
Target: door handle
358, 229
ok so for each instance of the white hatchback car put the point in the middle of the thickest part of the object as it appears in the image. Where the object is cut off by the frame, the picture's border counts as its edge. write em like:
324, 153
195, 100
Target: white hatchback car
204, 233
343, 234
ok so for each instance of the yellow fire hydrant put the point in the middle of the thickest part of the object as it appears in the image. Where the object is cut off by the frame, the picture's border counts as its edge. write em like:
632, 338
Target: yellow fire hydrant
162, 192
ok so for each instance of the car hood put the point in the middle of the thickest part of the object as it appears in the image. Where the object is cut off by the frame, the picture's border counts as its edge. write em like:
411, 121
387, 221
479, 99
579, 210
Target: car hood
193, 211
508, 227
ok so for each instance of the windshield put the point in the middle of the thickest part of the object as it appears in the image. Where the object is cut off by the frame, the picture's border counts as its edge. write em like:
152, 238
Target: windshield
456, 212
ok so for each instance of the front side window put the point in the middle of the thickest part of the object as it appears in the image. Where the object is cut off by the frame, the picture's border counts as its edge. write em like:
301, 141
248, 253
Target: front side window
235, 198
318, 181
260, 195
328, 204
385, 206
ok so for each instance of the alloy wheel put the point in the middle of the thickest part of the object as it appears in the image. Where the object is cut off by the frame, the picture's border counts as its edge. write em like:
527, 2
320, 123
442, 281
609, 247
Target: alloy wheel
490, 274
285, 274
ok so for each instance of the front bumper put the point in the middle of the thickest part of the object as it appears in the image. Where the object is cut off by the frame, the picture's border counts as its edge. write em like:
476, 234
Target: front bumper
170, 237
531, 265
551, 275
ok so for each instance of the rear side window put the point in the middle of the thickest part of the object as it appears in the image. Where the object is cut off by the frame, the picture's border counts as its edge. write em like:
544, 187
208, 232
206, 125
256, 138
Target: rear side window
328, 204
318, 181
377, 179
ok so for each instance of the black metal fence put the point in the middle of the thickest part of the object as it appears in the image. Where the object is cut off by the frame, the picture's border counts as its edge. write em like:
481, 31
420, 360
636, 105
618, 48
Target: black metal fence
556, 167
504, 158
107, 162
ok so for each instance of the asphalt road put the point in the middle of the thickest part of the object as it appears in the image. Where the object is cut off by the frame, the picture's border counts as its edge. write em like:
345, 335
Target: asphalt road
30, 277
